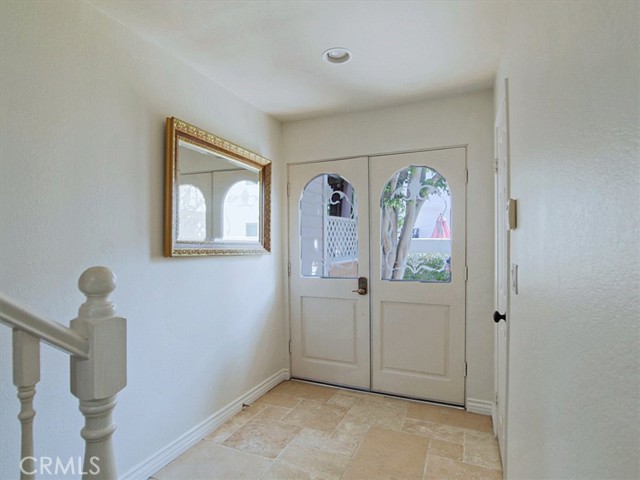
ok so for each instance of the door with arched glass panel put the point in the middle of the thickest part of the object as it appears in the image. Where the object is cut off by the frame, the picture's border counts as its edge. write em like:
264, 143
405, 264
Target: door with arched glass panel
418, 274
329, 252
400, 329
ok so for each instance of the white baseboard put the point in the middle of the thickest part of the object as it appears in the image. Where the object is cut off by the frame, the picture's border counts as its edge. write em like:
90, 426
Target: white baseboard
483, 407
169, 453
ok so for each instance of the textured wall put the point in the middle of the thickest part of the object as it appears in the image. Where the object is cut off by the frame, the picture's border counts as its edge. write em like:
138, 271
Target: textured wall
463, 119
82, 152
574, 73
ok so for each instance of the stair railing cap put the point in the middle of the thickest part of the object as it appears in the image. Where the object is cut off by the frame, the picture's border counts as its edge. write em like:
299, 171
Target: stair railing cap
97, 282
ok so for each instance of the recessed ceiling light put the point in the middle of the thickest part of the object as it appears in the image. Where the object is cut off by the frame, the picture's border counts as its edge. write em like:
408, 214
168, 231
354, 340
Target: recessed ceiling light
337, 55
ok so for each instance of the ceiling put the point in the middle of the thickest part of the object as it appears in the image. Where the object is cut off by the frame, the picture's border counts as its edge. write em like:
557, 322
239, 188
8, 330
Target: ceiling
270, 52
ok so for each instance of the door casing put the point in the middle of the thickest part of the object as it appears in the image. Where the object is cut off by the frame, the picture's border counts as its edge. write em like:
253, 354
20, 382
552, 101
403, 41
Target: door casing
502, 274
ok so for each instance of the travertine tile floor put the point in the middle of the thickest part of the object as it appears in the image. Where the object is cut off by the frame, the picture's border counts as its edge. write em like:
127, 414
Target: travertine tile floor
305, 431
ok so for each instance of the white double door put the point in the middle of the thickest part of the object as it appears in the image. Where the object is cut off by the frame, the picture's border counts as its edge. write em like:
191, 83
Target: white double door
378, 273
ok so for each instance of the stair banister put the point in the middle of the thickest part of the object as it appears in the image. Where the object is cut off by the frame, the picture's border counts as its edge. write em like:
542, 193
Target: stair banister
96, 342
48, 331
26, 373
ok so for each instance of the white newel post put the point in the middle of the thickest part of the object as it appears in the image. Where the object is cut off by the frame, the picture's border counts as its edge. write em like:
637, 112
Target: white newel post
97, 380
26, 373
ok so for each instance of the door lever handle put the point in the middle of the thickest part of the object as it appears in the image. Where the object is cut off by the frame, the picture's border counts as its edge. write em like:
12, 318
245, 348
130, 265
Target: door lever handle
497, 316
362, 286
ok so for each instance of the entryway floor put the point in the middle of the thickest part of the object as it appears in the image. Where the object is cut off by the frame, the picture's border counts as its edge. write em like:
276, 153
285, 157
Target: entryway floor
300, 430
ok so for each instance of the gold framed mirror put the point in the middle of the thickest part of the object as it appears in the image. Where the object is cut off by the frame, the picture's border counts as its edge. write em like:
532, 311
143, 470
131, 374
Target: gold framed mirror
217, 195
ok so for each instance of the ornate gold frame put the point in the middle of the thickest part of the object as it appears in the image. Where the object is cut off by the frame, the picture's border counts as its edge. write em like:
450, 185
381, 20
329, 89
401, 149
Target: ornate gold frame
179, 129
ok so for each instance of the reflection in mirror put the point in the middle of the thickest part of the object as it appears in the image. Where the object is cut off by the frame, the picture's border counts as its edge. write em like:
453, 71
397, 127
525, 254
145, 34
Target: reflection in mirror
192, 214
240, 212
219, 193
218, 199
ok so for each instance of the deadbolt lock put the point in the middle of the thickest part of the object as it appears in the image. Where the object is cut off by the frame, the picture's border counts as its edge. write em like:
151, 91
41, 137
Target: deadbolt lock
362, 286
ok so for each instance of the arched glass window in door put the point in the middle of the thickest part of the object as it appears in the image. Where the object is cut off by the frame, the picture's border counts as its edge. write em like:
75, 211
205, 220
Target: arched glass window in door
328, 228
415, 226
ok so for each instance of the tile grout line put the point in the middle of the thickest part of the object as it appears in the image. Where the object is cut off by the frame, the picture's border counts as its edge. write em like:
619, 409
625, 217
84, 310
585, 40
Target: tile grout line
426, 460
464, 446
293, 440
235, 429
274, 460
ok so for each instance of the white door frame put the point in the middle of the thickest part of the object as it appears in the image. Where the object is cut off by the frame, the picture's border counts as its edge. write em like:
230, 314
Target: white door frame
502, 273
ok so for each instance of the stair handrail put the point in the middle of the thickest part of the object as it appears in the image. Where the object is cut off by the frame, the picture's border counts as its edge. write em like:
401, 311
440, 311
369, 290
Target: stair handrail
49, 331
96, 343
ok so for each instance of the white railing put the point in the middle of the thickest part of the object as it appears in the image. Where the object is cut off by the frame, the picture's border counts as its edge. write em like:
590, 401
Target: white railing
96, 342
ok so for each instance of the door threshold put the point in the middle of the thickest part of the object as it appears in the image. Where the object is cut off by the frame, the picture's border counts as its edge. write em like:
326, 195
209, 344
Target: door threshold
379, 394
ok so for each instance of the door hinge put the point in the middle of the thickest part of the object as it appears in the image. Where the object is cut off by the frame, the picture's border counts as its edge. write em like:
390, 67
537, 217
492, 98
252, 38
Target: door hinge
466, 175
466, 273
289, 269
466, 369
288, 189
496, 399
495, 164
289, 347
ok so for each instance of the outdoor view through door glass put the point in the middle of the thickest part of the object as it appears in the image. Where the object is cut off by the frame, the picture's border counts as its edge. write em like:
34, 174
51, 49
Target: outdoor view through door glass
328, 228
416, 237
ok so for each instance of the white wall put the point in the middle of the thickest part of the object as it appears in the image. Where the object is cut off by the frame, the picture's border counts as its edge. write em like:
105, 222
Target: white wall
574, 381
464, 119
82, 151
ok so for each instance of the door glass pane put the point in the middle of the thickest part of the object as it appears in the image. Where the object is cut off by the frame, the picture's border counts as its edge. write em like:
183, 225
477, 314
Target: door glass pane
328, 228
415, 223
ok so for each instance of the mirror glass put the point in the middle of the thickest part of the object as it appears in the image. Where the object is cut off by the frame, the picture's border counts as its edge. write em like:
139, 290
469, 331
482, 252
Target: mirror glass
218, 195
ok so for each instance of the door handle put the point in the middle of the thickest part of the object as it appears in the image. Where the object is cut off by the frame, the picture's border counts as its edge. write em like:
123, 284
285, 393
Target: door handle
497, 316
362, 286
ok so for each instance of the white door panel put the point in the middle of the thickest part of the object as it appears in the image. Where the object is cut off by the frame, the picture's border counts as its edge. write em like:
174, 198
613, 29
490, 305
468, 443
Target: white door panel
329, 321
502, 272
330, 338
422, 331
418, 328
